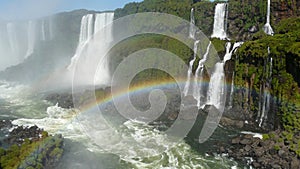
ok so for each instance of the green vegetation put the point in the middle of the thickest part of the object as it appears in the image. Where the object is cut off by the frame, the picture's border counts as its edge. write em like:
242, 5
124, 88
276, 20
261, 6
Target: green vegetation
252, 70
131, 45
32, 153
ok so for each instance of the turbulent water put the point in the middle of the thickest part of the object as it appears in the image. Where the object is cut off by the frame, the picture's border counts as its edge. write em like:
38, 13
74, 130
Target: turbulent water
80, 150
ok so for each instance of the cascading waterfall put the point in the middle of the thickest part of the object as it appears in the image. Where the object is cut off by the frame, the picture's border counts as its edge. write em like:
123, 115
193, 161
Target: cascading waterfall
86, 28
267, 27
43, 31
51, 28
192, 23
264, 101
86, 23
46, 29
190, 70
199, 77
90, 25
219, 22
216, 88
192, 33
103, 74
31, 38
231, 90
12, 38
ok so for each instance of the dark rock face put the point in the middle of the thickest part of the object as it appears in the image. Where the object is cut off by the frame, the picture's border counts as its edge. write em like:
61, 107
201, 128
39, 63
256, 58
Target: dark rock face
263, 152
46, 153
284, 9
64, 100
248, 16
19, 133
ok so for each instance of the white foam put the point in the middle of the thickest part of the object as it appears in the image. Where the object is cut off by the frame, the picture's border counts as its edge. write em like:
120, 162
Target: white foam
255, 135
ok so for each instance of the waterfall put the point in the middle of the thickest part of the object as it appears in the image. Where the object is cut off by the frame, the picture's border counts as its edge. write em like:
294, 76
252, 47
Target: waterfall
103, 74
216, 88
264, 101
231, 91
219, 22
31, 38
263, 107
192, 23
83, 38
90, 25
199, 77
267, 27
192, 33
51, 27
190, 70
271, 67
86, 28
43, 31
13, 40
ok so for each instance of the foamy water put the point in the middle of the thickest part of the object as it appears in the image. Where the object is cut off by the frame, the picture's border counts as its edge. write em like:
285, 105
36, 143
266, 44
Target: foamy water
136, 144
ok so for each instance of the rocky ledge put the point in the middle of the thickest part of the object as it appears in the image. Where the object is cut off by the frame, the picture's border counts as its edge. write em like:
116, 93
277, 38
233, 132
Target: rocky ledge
28, 147
263, 153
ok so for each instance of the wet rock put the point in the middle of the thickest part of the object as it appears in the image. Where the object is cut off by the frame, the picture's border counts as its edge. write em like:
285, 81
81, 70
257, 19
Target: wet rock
256, 165
245, 141
281, 153
247, 148
295, 164
236, 140
259, 151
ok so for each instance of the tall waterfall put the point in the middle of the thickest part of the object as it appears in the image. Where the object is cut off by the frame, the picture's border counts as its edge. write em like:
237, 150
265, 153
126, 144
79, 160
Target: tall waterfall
31, 38
190, 70
267, 27
192, 33
219, 30
19, 39
43, 31
199, 77
231, 91
264, 102
216, 90
13, 39
90, 25
192, 23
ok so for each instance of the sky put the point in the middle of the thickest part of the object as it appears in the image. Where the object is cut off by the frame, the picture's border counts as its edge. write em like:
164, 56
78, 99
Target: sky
27, 9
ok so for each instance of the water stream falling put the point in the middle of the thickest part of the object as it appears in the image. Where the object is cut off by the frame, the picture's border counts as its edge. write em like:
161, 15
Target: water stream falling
231, 90
267, 27
219, 29
43, 31
192, 23
31, 38
190, 70
90, 25
264, 102
13, 39
216, 90
199, 77
192, 33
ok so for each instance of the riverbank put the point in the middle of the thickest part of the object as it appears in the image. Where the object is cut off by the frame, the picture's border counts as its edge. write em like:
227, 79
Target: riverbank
28, 147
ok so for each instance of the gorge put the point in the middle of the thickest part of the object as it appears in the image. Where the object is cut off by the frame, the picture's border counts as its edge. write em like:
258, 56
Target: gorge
255, 80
